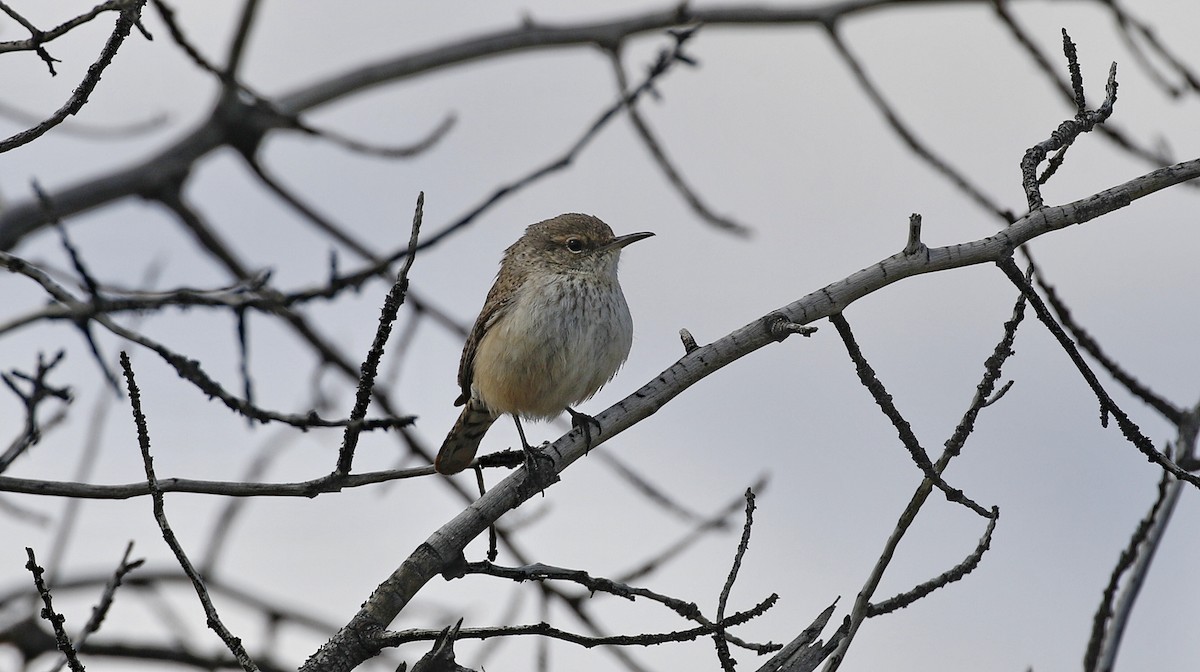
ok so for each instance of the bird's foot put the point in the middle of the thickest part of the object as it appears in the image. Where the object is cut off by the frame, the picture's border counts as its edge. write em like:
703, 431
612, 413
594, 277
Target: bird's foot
535, 457
584, 422
539, 467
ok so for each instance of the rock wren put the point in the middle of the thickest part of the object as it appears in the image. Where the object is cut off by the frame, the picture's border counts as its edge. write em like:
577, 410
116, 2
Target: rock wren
554, 329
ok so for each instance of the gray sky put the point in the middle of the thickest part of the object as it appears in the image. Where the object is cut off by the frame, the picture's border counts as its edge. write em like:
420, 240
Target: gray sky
771, 130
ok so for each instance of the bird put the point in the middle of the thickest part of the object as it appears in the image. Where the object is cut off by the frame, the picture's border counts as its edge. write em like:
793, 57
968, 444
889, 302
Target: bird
554, 329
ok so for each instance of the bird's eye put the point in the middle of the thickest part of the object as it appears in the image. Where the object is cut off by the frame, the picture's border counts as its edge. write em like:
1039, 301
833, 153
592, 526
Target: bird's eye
575, 245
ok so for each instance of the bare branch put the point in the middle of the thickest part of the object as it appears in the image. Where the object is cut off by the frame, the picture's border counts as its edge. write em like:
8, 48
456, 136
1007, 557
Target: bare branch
100, 611
370, 367
56, 620
187, 369
907, 135
862, 601
306, 489
40, 390
942, 580
214, 620
673, 174
805, 652
867, 377
1108, 407
129, 16
1168, 410
396, 638
1103, 627
722, 645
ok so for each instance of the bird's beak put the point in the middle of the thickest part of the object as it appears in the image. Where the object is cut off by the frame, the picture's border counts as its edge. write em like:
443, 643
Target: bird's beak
622, 241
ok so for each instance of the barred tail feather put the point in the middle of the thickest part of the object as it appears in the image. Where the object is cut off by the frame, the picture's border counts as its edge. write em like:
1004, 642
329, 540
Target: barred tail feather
458, 450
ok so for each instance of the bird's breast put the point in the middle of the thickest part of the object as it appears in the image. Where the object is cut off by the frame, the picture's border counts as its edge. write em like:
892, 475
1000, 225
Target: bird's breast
561, 340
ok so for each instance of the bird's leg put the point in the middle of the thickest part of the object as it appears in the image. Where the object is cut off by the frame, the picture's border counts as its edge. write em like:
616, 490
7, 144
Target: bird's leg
584, 422
521, 432
532, 455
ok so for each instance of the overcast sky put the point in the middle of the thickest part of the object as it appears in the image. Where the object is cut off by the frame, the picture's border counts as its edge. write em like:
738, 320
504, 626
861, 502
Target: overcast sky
772, 131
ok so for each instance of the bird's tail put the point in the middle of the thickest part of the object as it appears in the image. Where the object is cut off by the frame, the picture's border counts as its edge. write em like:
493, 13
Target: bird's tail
463, 440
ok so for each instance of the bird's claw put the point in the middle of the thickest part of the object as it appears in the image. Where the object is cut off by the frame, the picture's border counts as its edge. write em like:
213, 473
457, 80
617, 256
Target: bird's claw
584, 422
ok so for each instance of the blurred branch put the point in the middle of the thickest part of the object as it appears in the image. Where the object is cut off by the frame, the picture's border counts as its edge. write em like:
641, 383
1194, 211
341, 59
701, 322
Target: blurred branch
39, 390
113, 131
700, 527
237, 46
907, 135
673, 174
187, 369
173, 162
100, 611
1107, 630
307, 489
666, 60
1133, 30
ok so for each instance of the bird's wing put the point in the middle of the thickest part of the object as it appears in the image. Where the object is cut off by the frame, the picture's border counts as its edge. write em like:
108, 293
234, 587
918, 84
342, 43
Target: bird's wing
493, 309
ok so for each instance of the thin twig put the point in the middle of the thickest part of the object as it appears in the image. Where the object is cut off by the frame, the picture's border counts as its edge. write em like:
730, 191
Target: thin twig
869, 380
672, 173
43, 36
1168, 410
907, 135
1102, 625
370, 367
160, 516
722, 646
396, 638
942, 580
188, 369
992, 368
1108, 407
1114, 134
40, 390
307, 489
540, 572
100, 611
1062, 137
128, 17
56, 620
